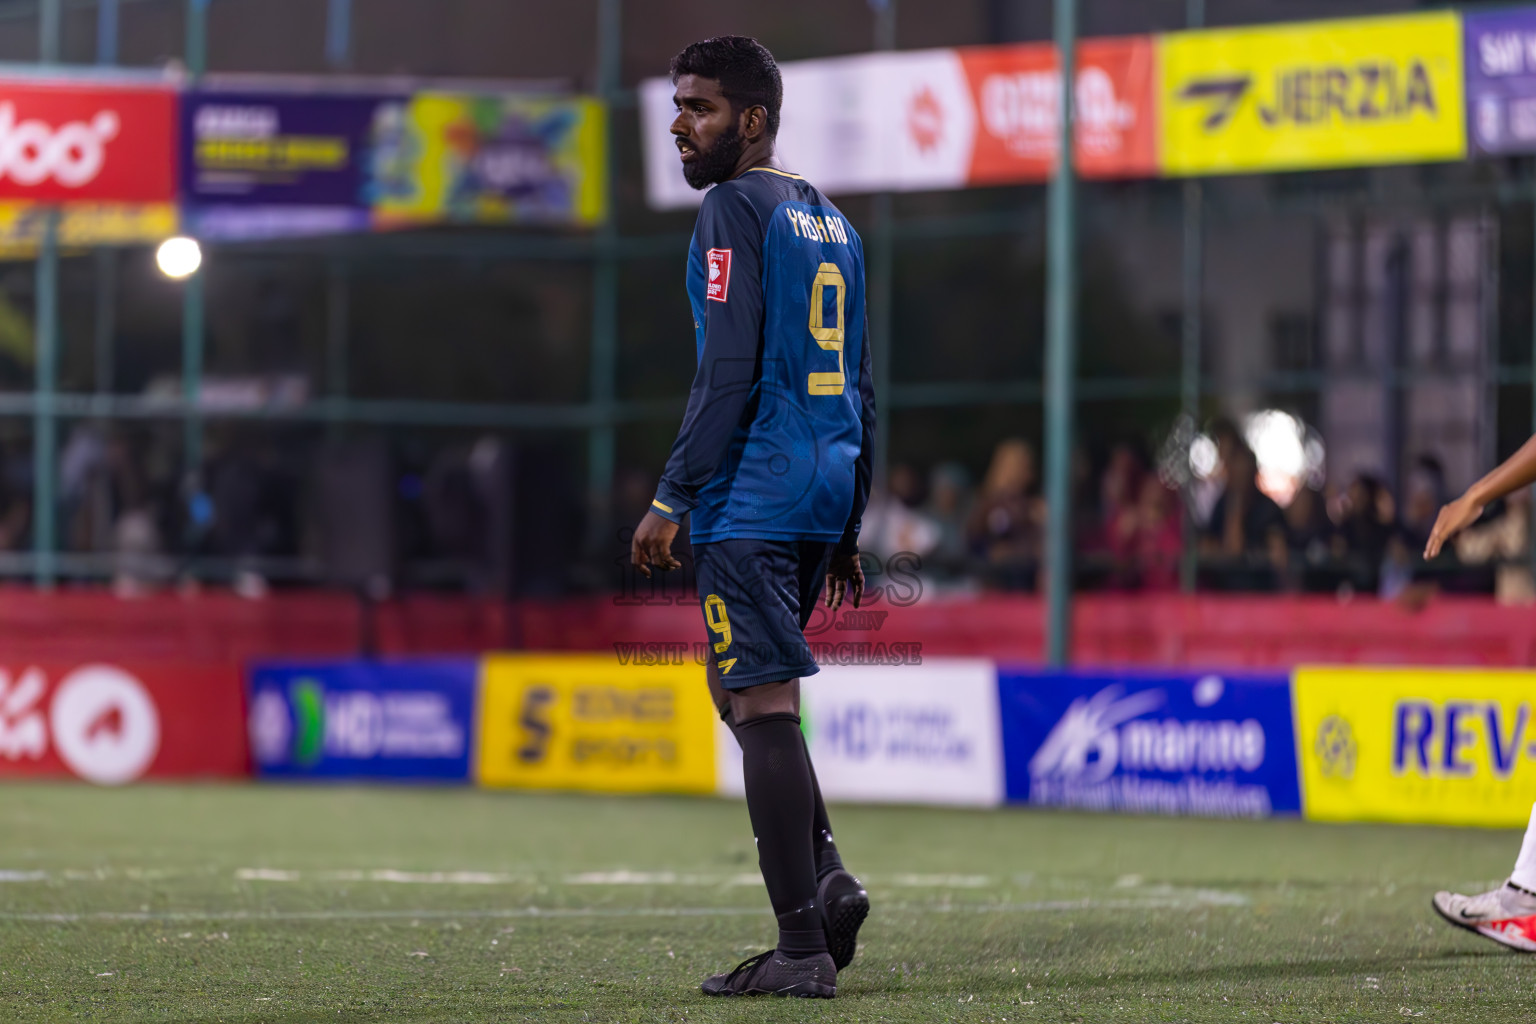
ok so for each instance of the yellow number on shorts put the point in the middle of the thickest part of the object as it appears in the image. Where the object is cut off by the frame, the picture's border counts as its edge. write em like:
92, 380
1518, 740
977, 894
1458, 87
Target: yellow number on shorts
719, 622
829, 338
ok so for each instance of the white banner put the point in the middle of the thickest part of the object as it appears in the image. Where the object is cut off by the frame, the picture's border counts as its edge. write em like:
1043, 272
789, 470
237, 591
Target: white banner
924, 734
869, 123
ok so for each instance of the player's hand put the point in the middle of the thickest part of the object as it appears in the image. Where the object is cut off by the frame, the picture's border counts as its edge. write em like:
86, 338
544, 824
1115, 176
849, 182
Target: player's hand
1453, 518
844, 576
653, 544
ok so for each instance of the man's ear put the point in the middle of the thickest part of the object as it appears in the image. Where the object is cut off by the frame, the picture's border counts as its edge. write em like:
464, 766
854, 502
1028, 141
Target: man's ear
754, 123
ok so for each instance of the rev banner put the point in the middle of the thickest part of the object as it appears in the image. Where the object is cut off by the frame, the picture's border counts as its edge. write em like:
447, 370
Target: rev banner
1344, 93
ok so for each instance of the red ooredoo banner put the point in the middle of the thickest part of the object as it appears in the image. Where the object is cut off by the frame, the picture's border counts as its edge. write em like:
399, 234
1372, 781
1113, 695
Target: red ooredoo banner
1017, 89
112, 724
87, 143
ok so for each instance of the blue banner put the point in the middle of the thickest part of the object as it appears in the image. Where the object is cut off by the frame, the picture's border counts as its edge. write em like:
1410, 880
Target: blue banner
364, 720
1500, 65
1150, 742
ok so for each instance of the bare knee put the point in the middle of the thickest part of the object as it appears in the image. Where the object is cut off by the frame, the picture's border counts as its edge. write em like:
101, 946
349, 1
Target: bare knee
766, 699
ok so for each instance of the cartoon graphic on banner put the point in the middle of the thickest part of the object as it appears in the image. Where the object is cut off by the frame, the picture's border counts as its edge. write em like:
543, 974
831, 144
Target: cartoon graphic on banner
1433, 746
1501, 80
583, 721
1315, 94
489, 159
374, 720
1176, 743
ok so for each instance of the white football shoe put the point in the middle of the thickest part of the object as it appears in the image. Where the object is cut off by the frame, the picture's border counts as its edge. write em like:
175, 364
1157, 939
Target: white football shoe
1507, 915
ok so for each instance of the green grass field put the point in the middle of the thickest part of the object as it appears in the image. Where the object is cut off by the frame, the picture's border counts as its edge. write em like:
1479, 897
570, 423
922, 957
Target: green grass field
282, 905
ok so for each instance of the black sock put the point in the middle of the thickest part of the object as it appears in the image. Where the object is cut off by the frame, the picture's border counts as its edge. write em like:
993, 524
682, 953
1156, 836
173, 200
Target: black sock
777, 774
827, 859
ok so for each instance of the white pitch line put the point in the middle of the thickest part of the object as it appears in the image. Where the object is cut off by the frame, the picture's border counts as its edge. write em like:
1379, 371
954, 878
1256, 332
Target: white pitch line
1045, 906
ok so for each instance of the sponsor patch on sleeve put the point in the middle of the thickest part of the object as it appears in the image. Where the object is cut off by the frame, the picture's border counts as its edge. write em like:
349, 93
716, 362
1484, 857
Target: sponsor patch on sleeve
718, 264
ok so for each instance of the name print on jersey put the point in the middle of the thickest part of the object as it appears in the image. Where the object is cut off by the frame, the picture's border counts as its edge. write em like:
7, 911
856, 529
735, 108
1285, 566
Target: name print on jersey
718, 262
826, 228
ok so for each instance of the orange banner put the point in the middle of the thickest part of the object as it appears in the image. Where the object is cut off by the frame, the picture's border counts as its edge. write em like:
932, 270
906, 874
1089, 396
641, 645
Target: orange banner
1017, 88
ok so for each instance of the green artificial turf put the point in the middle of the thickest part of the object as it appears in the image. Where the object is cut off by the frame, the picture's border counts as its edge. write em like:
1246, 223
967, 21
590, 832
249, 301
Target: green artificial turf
286, 905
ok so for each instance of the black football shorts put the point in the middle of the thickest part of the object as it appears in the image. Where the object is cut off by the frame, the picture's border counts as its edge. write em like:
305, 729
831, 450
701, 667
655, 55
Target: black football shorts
757, 596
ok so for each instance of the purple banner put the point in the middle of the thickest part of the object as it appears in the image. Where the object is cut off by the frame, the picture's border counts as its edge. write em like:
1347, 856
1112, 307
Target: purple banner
1501, 81
282, 149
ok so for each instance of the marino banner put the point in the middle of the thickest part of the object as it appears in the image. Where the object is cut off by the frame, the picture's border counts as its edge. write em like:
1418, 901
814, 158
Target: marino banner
1175, 743
1434, 746
1318, 94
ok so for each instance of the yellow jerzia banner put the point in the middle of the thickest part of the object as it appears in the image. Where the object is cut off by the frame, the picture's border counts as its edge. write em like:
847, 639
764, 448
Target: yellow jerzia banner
585, 721
1442, 747
1313, 94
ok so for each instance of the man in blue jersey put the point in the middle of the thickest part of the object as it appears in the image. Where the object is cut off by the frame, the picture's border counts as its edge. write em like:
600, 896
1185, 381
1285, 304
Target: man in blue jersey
772, 464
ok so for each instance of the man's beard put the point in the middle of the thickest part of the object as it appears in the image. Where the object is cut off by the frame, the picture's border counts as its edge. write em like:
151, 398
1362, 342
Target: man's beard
717, 163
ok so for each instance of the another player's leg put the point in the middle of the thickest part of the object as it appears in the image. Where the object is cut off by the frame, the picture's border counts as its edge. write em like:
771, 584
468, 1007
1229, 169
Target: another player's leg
1507, 915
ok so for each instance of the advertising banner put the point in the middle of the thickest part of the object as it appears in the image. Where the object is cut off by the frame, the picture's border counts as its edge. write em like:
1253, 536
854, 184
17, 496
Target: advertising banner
1501, 80
1313, 94
111, 724
402, 721
920, 734
938, 119
1146, 742
81, 224
281, 149
1434, 746
490, 159
584, 721
70, 142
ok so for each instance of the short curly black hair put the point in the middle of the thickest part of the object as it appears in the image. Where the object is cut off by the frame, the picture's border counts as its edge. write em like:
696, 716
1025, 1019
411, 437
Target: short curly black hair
747, 73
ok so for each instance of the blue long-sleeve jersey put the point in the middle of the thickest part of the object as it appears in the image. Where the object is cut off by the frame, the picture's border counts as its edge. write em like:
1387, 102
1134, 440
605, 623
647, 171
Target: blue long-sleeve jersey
778, 438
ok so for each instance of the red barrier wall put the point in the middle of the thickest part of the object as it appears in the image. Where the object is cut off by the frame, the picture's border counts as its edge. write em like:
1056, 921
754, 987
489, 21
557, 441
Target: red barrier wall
1260, 632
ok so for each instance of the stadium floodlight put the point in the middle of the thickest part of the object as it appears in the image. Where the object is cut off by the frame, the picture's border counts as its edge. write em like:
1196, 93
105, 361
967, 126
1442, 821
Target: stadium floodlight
179, 257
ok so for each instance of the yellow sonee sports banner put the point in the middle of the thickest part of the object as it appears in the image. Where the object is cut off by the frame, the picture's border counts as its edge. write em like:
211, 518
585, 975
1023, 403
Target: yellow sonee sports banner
1444, 747
1312, 94
585, 721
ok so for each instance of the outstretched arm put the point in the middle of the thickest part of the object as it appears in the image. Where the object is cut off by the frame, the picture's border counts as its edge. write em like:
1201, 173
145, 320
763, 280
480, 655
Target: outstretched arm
1518, 471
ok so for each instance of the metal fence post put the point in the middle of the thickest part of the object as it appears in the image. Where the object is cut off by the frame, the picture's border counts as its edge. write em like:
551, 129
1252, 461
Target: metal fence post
192, 296
45, 424
1061, 352
603, 372
338, 33
880, 271
1192, 328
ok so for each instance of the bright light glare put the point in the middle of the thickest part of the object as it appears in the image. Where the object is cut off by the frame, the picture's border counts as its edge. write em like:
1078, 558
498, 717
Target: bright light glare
179, 257
1288, 454
1202, 457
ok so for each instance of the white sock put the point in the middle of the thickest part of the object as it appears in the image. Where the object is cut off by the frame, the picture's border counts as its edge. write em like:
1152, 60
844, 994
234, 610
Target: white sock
1524, 874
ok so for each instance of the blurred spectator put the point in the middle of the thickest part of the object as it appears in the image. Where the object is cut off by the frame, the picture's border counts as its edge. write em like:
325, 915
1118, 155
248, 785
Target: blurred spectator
893, 523
136, 529
1245, 541
949, 508
1423, 498
1504, 540
15, 505
1366, 524
1310, 533
1006, 525
1146, 539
